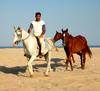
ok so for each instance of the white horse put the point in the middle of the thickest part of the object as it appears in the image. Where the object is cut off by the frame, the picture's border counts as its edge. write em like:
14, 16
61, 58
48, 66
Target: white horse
31, 48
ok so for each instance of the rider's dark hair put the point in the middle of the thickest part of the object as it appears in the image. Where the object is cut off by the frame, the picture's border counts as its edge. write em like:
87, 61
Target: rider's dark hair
37, 13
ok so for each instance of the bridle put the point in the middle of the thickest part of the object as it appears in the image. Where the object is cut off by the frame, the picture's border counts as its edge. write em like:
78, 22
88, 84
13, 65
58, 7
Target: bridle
21, 36
26, 38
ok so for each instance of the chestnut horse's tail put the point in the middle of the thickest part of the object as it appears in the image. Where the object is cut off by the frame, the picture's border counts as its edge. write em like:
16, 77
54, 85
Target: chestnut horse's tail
89, 52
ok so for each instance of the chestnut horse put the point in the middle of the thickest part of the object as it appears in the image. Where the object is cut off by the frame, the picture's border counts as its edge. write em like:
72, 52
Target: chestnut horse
57, 37
77, 44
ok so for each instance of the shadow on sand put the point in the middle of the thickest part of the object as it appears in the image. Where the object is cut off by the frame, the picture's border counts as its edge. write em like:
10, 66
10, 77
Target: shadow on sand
56, 62
15, 70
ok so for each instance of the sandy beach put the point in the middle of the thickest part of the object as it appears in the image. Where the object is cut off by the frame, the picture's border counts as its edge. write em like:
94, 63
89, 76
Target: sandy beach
14, 78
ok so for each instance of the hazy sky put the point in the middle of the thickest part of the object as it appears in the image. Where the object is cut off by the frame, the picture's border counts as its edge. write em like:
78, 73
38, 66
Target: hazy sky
80, 16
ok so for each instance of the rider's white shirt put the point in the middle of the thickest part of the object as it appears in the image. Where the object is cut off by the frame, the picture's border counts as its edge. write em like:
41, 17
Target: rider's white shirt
37, 27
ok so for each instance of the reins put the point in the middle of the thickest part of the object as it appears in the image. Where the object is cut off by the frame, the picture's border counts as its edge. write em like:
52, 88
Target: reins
26, 37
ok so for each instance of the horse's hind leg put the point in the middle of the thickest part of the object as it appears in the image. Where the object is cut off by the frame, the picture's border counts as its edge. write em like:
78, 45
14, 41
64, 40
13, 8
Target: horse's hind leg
48, 59
71, 65
73, 59
84, 59
81, 59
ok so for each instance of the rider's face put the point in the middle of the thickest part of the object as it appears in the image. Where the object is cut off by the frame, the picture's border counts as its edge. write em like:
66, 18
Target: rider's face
38, 17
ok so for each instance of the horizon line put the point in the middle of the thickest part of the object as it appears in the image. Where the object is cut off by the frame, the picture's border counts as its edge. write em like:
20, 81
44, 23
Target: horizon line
57, 46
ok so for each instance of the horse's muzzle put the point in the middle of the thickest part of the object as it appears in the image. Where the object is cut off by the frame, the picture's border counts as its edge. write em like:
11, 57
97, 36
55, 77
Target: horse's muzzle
15, 43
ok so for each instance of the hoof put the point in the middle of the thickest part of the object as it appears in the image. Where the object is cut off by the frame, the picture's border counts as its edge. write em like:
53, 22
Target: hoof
31, 76
66, 68
73, 61
82, 67
50, 70
65, 63
46, 74
71, 69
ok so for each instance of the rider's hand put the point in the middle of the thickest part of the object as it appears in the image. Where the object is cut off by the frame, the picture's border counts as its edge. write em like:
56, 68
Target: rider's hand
41, 36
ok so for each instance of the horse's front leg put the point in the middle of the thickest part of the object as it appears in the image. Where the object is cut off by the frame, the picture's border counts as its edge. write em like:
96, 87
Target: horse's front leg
66, 63
71, 64
70, 61
48, 59
30, 68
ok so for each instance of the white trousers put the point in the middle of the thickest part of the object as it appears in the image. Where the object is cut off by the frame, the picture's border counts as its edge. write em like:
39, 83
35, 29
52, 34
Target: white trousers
43, 45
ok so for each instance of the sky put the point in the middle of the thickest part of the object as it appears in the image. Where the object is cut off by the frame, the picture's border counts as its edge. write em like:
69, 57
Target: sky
79, 16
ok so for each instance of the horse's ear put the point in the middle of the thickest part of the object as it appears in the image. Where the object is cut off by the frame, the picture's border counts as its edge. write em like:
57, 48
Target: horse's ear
18, 28
62, 30
14, 28
66, 29
56, 31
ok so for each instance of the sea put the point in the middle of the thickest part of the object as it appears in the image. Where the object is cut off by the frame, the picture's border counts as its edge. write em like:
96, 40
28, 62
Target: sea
91, 46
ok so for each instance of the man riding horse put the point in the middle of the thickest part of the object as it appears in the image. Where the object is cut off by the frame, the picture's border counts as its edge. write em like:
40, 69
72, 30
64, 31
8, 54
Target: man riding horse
38, 28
